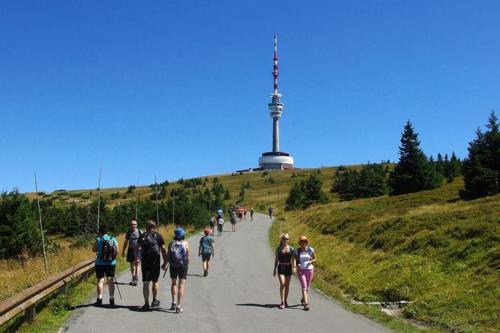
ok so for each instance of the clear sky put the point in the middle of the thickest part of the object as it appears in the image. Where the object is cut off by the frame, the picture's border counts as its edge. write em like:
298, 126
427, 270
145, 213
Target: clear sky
180, 88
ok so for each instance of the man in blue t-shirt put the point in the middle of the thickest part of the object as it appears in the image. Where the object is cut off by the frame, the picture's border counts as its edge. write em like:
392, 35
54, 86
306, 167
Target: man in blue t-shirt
106, 248
206, 250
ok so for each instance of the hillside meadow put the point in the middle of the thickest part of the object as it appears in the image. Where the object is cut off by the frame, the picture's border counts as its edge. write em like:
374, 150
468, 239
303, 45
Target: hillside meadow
429, 248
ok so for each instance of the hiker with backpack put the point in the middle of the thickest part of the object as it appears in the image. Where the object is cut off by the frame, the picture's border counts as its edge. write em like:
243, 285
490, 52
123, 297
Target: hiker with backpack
106, 249
151, 246
220, 226
305, 256
131, 239
206, 250
283, 264
178, 258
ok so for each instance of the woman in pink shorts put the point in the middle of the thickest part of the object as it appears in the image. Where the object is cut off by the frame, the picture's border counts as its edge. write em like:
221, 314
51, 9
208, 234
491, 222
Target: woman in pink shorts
305, 256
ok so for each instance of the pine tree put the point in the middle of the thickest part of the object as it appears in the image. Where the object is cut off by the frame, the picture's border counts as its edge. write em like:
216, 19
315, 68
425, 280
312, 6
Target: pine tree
372, 181
482, 167
345, 183
413, 172
295, 199
313, 192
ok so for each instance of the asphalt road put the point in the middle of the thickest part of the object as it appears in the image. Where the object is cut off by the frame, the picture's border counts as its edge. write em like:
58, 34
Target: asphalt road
239, 295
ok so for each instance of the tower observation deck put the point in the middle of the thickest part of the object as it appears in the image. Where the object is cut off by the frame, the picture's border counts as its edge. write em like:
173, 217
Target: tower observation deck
276, 159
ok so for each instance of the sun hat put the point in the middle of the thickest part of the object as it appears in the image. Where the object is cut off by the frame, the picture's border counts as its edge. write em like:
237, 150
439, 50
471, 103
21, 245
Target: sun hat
303, 238
179, 232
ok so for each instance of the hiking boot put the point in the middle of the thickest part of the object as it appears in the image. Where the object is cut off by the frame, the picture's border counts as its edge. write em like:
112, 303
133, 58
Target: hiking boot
173, 306
111, 302
98, 302
146, 307
179, 309
155, 304
205, 273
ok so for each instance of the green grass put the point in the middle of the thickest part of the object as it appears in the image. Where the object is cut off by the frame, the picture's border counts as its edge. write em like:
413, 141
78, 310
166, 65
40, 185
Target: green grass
430, 248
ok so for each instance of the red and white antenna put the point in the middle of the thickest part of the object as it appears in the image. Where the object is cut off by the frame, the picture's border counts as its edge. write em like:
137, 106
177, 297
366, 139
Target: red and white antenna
275, 67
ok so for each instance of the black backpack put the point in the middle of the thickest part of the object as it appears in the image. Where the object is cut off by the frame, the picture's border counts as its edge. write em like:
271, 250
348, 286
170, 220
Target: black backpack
149, 244
108, 250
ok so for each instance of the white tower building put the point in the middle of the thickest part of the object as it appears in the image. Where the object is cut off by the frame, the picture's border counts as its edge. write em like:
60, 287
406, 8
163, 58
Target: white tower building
276, 159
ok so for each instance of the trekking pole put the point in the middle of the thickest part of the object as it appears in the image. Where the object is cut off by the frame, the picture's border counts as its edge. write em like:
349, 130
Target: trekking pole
165, 273
117, 288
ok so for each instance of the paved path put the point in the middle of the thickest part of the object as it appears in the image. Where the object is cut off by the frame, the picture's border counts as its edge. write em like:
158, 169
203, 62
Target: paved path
239, 295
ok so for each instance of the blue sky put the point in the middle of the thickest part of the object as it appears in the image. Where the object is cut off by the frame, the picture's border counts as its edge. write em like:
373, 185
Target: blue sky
180, 88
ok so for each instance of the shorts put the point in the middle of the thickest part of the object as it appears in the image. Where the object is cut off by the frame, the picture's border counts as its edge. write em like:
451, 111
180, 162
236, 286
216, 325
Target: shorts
219, 227
101, 270
130, 255
233, 221
150, 271
285, 270
178, 272
206, 256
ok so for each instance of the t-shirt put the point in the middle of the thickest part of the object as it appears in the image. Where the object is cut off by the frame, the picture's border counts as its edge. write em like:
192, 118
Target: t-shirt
98, 260
133, 238
304, 258
220, 221
206, 244
285, 255
147, 257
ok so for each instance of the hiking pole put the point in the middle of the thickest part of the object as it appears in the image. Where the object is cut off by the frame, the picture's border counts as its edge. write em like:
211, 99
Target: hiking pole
117, 288
165, 273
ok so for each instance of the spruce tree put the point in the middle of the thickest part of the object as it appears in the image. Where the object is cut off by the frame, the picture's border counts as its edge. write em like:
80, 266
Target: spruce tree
413, 172
313, 192
372, 181
295, 199
482, 167
345, 183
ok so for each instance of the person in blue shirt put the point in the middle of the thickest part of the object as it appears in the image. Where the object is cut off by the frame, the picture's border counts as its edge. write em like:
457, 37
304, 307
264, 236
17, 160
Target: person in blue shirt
106, 249
206, 249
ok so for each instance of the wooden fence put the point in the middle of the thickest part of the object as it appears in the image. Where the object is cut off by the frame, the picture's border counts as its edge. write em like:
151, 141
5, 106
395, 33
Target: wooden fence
26, 300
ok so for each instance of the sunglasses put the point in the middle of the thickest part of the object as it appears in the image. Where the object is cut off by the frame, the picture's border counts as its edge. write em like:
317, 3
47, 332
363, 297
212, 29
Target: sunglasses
285, 239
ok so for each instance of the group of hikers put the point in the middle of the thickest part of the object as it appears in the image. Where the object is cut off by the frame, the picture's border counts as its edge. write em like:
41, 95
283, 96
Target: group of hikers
147, 251
236, 213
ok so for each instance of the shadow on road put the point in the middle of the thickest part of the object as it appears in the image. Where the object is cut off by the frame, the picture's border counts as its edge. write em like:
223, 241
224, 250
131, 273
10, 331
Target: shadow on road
269, 306
196, 275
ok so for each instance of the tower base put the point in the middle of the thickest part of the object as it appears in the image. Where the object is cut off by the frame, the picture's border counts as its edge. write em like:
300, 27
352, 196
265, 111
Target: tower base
276, 161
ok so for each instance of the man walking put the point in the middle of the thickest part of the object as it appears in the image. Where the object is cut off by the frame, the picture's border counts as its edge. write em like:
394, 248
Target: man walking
178, 258
206, 250
130, 244
106, 248
151, 245
251, 213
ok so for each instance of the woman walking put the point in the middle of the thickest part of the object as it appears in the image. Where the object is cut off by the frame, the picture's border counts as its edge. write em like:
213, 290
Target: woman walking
305, 256
283, 264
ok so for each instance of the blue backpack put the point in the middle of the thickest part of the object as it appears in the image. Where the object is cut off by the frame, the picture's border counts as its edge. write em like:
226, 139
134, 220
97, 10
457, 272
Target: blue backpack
178, 254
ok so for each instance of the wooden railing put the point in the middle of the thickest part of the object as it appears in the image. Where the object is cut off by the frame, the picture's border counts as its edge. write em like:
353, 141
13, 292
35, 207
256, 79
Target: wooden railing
26, 300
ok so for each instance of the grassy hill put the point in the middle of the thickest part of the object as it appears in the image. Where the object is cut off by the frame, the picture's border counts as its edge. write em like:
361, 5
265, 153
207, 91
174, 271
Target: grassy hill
430, 248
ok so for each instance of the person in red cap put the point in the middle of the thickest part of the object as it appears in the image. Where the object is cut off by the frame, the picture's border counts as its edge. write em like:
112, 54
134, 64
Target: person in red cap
206, 249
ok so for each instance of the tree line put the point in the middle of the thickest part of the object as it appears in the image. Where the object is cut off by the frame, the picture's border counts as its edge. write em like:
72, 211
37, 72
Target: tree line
414, 172
20, 231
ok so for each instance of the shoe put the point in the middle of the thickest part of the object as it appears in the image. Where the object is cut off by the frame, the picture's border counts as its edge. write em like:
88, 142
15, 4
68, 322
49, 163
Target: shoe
286, 304
282, 306
179, 309
145, 307
131, 283
306, 307
205, 273
111, 302
98, 302
173, 306
155, 304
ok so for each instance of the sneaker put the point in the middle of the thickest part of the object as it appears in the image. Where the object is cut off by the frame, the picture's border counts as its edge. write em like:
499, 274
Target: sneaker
131, 283
111, 302
205, 273
306, 307
282, 306
98, 302
179, 309
173, 306
145, 307
155, 304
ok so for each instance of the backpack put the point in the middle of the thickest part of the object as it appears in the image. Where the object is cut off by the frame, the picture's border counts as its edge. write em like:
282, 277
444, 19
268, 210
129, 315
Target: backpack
149, 244
108, 250
177, 254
